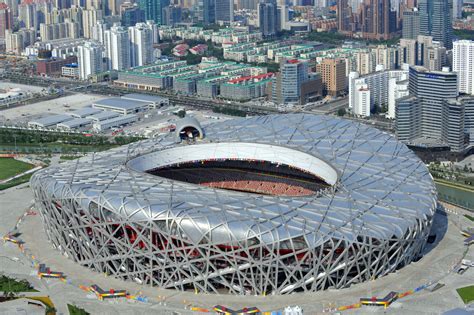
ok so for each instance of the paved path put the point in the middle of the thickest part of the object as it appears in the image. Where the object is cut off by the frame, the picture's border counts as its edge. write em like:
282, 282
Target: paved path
434, 264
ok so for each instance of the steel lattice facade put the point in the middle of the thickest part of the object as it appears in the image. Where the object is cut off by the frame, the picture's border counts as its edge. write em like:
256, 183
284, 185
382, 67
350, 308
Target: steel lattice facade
103, 212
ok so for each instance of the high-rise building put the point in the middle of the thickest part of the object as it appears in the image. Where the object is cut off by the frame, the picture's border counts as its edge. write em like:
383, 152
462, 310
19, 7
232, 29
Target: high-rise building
411, 23
457, 9
333, 73
423, 51
89, 59
172, 15
463, 65
408, 118
98, 32
15, 42
396, 90
89, 19
286, 85
436, 20
28, 15
362, 102
141, 44
131, 14
208, 11
344, 15
117, 43
224, 10
154, 9
6, 19
378, 21
432, 88
267, 17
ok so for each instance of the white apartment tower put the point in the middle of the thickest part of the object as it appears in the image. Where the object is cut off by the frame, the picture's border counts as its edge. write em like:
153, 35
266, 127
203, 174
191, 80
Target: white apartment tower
89, 59
117, 43
463, 65
141, 44
362, 99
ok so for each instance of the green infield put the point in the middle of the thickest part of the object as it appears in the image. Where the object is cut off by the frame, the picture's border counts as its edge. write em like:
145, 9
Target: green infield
8, 284
466, 294
10, 167
75, 310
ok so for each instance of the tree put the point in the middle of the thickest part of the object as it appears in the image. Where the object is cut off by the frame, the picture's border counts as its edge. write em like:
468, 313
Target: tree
341, 112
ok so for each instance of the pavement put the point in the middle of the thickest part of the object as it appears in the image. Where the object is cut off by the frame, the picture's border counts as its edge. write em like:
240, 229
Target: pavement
439, 259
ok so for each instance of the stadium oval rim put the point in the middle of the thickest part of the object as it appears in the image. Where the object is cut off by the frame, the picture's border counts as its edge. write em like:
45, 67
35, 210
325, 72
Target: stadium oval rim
213, 240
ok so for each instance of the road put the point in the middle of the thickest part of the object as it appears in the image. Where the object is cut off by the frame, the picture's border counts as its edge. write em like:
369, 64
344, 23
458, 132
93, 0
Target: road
70, 86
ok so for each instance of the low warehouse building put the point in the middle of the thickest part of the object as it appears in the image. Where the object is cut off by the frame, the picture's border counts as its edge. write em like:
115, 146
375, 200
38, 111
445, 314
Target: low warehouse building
74, 124
49, 121
115, 122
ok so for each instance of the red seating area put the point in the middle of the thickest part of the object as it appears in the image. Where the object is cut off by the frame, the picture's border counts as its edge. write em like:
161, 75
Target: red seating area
257, 177
261, 187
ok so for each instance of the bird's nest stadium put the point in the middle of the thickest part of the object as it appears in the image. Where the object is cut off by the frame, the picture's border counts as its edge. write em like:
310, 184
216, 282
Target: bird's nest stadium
264, 205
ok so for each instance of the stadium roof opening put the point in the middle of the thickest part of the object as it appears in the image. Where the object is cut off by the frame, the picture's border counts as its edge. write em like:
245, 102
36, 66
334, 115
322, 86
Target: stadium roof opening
237, 151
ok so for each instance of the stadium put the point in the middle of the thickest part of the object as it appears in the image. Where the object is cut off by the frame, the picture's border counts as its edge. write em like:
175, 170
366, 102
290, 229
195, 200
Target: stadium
263, 205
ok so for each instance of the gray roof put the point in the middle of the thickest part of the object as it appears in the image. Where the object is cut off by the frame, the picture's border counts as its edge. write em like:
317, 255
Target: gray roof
51, 120
119, 103
78, 122
84, 112
104, 115
117, 120
144, 98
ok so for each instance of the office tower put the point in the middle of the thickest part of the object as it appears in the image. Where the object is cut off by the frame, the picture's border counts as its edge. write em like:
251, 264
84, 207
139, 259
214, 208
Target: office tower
411, 23
172, 15
267, 17
469, 118
436, 20
208, 10
408, 118
377, 19
13, 5
457, 9
89, 59
28, 15
141, 44
453, 124
154, 9
247, 4
131, 14
6, 19
286, 85
224, 10
432, 88
344, 14
117, 44
89, 19
463, 65
333, 73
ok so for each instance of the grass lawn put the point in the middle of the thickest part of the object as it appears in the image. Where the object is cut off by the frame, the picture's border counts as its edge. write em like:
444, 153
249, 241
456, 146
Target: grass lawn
10, 167
470, 217
8, 284
75, 310
16, 181
466, 294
